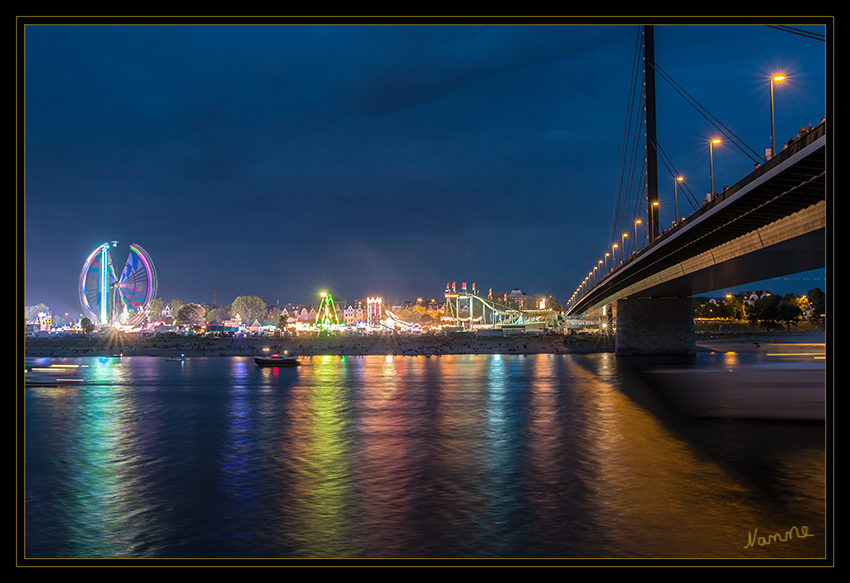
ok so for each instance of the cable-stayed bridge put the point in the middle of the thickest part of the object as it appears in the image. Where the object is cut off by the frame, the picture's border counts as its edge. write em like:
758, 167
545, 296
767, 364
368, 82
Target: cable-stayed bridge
769, 224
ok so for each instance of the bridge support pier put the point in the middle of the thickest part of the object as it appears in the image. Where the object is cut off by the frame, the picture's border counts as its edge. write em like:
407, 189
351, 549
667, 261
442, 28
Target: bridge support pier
655, 326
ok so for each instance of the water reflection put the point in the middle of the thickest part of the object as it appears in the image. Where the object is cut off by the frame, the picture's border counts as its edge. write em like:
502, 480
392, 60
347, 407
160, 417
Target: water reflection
398, 456
317, 510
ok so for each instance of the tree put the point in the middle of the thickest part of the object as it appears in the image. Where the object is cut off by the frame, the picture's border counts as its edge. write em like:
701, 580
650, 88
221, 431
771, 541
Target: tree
87, 325
190, 315
817, 302
175, 307
791, 310
221, 314
155, 310
772, 311
733, 308
250, 308
765, 312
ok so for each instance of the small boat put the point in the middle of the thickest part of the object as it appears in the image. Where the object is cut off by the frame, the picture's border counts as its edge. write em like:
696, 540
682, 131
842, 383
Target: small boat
284, 359
180, 358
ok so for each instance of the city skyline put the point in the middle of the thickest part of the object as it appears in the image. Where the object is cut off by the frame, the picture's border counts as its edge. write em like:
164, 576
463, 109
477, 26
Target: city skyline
281, 160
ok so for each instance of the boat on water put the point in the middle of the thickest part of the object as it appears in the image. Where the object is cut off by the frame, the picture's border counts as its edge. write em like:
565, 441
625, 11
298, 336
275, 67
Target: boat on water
284, 359
180, 358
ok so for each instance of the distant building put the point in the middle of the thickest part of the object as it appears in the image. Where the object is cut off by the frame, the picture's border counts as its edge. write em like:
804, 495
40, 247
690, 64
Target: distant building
749, 298
518, 296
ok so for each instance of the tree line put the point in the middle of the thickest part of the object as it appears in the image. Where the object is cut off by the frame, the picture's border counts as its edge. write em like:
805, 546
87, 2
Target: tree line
770, 311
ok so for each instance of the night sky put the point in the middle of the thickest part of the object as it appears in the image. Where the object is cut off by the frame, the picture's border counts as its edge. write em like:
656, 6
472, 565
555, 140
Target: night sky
282, 160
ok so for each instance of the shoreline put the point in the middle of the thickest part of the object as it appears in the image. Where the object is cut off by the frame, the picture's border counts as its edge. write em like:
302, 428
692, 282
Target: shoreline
79, 346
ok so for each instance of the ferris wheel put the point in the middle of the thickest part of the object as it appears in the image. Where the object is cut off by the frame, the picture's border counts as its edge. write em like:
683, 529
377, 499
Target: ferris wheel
108, 299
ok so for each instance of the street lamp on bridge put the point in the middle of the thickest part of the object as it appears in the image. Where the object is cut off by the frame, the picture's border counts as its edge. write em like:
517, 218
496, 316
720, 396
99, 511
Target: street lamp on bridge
676, 199
637, 222
773, 79
711, 161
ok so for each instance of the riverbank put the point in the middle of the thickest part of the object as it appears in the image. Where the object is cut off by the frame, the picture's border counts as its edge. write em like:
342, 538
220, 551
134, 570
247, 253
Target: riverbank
128, 345
777, 341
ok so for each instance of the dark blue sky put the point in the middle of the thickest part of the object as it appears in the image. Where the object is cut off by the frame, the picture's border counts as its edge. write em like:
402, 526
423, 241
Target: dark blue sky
278, 160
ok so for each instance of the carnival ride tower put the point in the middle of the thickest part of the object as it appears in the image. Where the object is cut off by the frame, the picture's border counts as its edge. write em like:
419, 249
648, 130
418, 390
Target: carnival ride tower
327, 316
374, 308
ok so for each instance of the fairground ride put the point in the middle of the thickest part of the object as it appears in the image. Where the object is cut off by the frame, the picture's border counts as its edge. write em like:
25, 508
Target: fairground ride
108, 299
327, 317
393, 322
490, 314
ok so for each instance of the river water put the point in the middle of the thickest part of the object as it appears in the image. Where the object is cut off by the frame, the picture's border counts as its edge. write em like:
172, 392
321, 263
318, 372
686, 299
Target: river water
460, 456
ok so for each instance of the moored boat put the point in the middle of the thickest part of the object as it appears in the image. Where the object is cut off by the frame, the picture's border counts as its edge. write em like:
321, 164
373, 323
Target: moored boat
284, 359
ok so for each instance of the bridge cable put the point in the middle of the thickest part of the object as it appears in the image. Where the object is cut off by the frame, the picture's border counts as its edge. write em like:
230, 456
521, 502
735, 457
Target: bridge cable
673, 172
799, 32
630, 109
713, 120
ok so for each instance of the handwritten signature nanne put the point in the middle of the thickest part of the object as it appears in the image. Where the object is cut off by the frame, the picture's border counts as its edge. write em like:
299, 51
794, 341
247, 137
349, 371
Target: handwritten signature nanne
754, 539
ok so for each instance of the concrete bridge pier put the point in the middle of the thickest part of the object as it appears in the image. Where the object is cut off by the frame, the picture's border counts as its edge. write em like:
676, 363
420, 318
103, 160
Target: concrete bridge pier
655, 327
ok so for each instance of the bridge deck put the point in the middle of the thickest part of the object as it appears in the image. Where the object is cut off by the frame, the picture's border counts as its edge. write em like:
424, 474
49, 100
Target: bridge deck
734, 236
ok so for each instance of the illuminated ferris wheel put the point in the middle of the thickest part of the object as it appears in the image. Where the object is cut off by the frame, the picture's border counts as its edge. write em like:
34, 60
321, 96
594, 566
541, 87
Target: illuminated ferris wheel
108, 299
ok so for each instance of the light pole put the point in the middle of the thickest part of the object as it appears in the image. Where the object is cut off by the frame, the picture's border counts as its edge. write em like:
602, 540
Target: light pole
637, 222
711, 162
676, 198
773, 79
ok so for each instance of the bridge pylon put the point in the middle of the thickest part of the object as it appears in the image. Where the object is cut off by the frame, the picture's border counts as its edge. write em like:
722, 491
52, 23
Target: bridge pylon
655, 326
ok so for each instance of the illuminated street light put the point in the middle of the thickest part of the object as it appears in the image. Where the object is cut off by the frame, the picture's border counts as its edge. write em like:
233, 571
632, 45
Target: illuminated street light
637, 222
711, 162
676, 198
773, 79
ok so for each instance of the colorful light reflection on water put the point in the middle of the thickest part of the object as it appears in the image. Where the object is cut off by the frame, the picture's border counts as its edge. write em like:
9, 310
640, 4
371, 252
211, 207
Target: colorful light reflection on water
405, 457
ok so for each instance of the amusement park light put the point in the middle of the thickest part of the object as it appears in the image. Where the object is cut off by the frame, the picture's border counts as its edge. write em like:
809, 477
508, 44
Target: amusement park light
107, 295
